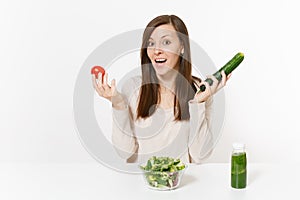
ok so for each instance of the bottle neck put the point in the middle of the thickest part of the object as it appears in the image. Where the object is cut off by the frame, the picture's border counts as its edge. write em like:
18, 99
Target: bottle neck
238, 151
238, 148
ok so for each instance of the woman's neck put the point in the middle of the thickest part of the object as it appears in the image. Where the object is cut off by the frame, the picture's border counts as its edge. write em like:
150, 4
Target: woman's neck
167, 81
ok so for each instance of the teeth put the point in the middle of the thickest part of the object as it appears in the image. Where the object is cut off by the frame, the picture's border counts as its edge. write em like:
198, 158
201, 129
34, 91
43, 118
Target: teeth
160, 59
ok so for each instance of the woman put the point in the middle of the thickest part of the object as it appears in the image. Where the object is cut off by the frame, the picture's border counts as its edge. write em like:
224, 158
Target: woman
162, 113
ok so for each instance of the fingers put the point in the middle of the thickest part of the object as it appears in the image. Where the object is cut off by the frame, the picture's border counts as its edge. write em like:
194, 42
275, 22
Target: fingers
223, 81
215, 80
113, 84
105, 80
102, 87
214, 85
211, 90
97, 86
100, 81
201, 96
94, 81
113, 88
224, 78
228, 76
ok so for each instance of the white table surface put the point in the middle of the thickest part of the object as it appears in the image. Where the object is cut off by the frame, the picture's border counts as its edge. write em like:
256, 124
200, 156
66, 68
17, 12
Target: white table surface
94, 181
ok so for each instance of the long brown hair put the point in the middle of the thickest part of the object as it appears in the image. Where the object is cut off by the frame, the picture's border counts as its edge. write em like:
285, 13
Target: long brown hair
184, 88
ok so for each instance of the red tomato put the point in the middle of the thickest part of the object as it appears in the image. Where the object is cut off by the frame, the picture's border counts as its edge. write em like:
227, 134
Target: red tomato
96, 69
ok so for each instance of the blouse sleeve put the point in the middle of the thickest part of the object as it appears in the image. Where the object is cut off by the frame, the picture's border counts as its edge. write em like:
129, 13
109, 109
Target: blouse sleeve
123, 137
201, 138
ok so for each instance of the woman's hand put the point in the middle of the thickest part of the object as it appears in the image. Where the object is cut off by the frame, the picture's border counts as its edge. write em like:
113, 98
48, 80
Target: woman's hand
211, 90
107, 91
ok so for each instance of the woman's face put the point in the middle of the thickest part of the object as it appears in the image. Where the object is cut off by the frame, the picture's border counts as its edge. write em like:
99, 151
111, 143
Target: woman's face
164, 48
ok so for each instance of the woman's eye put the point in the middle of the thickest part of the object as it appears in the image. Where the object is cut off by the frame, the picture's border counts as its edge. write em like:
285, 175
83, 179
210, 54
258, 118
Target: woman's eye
166, 42
150, 44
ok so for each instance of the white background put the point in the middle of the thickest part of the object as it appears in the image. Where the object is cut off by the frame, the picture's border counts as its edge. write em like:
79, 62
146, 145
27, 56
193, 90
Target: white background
44, 43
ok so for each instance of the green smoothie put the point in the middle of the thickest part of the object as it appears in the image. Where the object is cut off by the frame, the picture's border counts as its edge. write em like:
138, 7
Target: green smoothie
238, 170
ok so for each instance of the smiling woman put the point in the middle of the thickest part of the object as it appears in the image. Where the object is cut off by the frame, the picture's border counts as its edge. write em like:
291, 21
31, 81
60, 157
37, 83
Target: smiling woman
165, 38
162, 112
164, 48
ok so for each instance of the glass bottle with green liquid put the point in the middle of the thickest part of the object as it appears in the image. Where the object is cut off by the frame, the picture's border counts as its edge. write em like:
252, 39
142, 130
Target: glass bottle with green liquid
238, 166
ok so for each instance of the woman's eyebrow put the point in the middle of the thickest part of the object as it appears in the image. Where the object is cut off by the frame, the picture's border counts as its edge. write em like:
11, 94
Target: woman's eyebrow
161, 36
165, 36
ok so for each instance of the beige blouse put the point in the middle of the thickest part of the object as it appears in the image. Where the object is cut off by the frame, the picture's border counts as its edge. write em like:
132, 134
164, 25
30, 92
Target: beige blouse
159, 135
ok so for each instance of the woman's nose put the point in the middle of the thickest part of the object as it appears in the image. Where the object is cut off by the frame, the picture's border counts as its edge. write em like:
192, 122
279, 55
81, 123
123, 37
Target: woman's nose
157, 50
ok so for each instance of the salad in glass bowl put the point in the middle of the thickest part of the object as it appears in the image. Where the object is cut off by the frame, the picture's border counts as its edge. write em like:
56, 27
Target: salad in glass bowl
163, 173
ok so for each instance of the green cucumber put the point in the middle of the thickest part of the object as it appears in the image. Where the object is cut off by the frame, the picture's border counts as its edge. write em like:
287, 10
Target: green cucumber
228, 68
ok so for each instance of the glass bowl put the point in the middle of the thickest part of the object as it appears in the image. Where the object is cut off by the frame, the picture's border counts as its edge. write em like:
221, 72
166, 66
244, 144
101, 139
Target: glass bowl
163, 180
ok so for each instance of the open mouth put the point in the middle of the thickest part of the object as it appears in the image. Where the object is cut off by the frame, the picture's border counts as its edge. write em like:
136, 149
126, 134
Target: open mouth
160, 60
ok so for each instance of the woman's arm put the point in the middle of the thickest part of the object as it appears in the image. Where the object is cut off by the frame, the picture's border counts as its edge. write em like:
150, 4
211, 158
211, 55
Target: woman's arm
200, 108
123, 137
201, 137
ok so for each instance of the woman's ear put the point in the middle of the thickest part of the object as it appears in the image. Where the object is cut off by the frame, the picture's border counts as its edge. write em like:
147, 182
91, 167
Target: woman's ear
182, 51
